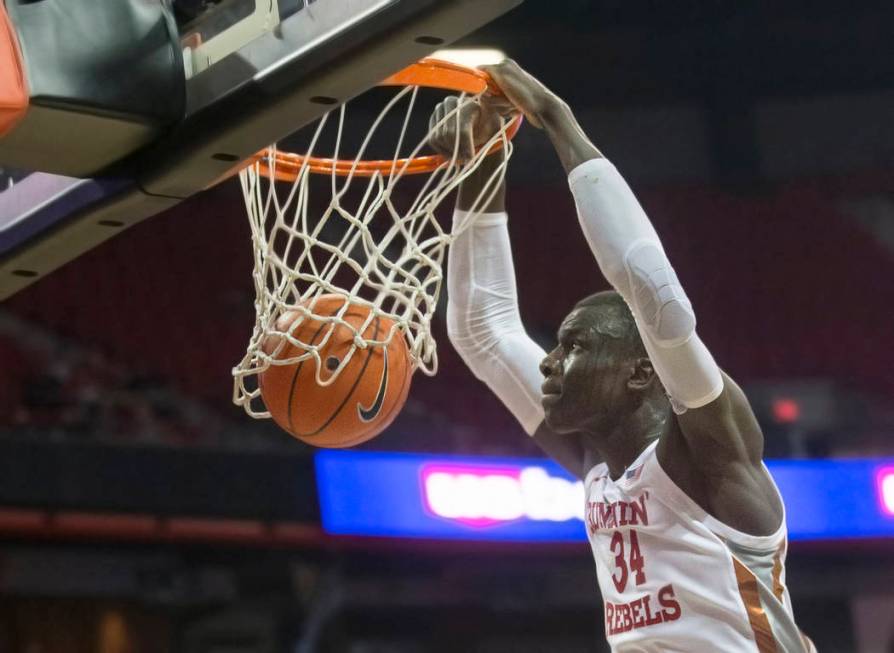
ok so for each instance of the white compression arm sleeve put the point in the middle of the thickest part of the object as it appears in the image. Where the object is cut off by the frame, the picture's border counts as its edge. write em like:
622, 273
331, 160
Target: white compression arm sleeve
483, 320
632, 259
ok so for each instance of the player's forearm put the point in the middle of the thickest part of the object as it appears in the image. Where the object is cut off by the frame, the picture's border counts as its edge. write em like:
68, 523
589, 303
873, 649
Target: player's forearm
472, 187
566, 135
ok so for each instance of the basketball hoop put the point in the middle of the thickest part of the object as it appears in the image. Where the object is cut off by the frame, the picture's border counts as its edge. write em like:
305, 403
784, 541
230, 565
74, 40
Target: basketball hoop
367, 236
428, 73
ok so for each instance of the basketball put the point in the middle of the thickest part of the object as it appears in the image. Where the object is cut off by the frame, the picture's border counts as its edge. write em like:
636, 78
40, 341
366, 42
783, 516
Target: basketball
368, 392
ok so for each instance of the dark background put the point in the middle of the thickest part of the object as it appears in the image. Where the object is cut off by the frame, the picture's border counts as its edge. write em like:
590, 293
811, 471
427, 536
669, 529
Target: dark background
760, 141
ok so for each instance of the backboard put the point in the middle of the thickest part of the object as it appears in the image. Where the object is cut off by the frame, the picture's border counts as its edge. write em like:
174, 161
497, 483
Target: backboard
255, 71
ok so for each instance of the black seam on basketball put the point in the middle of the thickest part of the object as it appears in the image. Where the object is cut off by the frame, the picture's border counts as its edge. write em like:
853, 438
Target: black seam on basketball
291, 394
350, 392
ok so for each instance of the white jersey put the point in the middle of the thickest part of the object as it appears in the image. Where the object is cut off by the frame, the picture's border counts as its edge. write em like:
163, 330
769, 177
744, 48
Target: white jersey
673, 578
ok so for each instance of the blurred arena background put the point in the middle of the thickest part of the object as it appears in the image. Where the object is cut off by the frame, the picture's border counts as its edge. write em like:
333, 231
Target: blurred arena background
141, 512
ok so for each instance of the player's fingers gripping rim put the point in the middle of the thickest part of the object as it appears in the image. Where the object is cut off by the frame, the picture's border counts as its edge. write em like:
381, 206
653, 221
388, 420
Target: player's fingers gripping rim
459, 126
432, 134
463, 120
443, 129
456, 128
435, 129
450, 127
499, 104
515, 84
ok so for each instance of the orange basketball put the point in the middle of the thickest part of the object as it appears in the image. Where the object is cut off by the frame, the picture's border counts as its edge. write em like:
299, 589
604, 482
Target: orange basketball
365, 397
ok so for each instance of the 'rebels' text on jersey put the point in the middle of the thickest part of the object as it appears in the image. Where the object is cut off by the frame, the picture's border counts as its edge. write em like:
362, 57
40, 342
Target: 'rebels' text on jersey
673, 578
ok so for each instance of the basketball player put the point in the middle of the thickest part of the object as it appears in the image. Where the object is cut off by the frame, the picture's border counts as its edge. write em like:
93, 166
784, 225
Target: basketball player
686, 525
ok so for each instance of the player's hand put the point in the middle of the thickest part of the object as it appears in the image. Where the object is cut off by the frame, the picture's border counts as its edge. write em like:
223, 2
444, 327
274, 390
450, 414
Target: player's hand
523, 90
474, 122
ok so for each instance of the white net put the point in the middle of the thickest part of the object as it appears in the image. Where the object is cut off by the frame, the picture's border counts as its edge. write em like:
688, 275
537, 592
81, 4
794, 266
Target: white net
372, 237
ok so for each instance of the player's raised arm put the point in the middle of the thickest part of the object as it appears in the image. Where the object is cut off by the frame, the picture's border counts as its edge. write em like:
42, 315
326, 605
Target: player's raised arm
483, 320
713, 413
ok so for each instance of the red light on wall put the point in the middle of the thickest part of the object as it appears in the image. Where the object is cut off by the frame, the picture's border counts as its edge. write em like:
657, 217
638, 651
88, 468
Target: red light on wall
786, 410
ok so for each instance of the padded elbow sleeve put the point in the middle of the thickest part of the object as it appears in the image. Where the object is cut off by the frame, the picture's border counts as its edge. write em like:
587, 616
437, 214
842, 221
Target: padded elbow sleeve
657, 296
666, 323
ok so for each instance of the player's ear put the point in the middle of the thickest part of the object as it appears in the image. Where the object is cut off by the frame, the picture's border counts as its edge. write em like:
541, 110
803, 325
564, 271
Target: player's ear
642, 375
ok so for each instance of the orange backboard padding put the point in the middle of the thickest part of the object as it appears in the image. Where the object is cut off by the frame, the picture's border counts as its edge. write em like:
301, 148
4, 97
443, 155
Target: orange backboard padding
13, 87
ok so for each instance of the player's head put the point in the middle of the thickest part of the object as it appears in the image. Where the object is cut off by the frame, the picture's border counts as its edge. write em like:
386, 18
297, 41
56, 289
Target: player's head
599, 371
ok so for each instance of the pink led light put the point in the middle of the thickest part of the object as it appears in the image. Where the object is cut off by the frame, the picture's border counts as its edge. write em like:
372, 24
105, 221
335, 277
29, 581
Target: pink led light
885, 480
484, 496
465, 493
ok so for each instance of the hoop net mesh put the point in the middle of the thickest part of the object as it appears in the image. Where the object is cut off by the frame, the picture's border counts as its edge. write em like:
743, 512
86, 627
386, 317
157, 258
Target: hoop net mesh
373, 238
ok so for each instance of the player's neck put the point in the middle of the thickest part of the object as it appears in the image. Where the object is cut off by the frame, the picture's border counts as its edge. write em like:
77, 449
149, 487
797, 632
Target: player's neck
620, 444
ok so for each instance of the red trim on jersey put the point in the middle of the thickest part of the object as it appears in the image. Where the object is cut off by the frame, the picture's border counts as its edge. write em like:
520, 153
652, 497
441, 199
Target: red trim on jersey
760, 625
778, 587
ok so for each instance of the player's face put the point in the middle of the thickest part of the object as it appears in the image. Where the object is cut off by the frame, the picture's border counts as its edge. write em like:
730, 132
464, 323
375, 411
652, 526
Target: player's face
583, 381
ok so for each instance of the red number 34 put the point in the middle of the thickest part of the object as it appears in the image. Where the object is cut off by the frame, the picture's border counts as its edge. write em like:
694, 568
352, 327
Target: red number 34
622, 566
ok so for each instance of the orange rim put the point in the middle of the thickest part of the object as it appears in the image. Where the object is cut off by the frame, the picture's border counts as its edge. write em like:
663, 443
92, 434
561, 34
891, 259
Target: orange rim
429, 73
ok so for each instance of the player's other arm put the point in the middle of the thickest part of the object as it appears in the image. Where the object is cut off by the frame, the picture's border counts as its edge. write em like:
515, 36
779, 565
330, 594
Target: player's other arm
715, 418
483, 320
